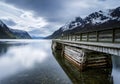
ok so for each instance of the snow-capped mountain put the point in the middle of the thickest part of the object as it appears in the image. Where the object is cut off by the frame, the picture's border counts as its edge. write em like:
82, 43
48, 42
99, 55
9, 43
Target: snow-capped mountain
103, 16
2, 24
73, 24
96, 20
8, 33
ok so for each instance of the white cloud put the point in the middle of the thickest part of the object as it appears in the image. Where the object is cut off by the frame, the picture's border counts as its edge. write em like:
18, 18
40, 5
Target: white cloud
83, 8
31, 17
24, 20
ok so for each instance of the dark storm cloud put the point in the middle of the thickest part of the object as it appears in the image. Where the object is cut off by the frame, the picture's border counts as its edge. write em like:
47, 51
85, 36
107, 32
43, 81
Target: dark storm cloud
9, 22
45, 8
53, 10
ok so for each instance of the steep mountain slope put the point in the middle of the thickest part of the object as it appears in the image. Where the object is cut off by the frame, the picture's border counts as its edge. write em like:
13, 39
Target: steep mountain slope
94, 21
7, 33
20, 34
55, 34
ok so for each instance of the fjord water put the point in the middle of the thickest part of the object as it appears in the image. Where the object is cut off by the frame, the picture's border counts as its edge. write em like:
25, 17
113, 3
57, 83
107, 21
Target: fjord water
105, 75
32, 62
29, 62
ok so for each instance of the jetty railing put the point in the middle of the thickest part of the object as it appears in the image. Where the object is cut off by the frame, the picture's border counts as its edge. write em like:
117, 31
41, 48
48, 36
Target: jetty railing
111, 35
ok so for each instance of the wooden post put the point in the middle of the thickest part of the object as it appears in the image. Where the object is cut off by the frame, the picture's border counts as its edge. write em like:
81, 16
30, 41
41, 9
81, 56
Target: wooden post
80, 37
87, 37
75, 38
113, 36
71, 38
97, 38
62, 53
67, 37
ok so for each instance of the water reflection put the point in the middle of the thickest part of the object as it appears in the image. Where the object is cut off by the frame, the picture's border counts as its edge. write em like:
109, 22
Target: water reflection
30, 63
88, 76
14, 57
3, 49
116, 69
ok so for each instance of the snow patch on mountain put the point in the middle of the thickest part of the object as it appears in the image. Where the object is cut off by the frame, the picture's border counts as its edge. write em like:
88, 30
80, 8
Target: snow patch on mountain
95, 18
78, 21
99, 21
65, 27
1, 24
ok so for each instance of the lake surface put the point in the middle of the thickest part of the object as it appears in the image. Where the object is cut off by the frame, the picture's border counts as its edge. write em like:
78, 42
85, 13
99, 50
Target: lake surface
29, 62
33, 62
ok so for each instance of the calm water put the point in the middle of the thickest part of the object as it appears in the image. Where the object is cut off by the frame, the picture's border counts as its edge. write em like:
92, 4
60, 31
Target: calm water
116, 69
29, 62
32, 62
108, 75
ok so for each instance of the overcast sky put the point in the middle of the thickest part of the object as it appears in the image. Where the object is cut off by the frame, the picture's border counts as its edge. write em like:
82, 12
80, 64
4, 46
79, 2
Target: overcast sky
43, 17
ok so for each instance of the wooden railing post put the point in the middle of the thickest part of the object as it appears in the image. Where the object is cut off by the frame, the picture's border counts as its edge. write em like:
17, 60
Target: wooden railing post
97, 33
80, 37
75, 38
87, 37
68, 37
71, 37
113, 36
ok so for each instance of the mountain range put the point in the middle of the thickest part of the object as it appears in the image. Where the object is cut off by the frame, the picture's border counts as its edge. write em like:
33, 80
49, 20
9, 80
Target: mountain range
8, 33
94, 21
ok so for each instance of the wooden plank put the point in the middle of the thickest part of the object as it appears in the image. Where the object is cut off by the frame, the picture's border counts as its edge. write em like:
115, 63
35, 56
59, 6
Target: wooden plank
73, 62
96, 61
117, 36
93, 40
117, 40
98, 64
105, 40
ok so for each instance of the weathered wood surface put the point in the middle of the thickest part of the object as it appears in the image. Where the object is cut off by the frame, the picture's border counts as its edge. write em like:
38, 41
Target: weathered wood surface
111, 35
109, 48
75, 54
79, 54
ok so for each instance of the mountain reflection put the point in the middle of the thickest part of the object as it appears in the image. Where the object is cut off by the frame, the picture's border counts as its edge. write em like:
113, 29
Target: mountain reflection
4, 47
116, 69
